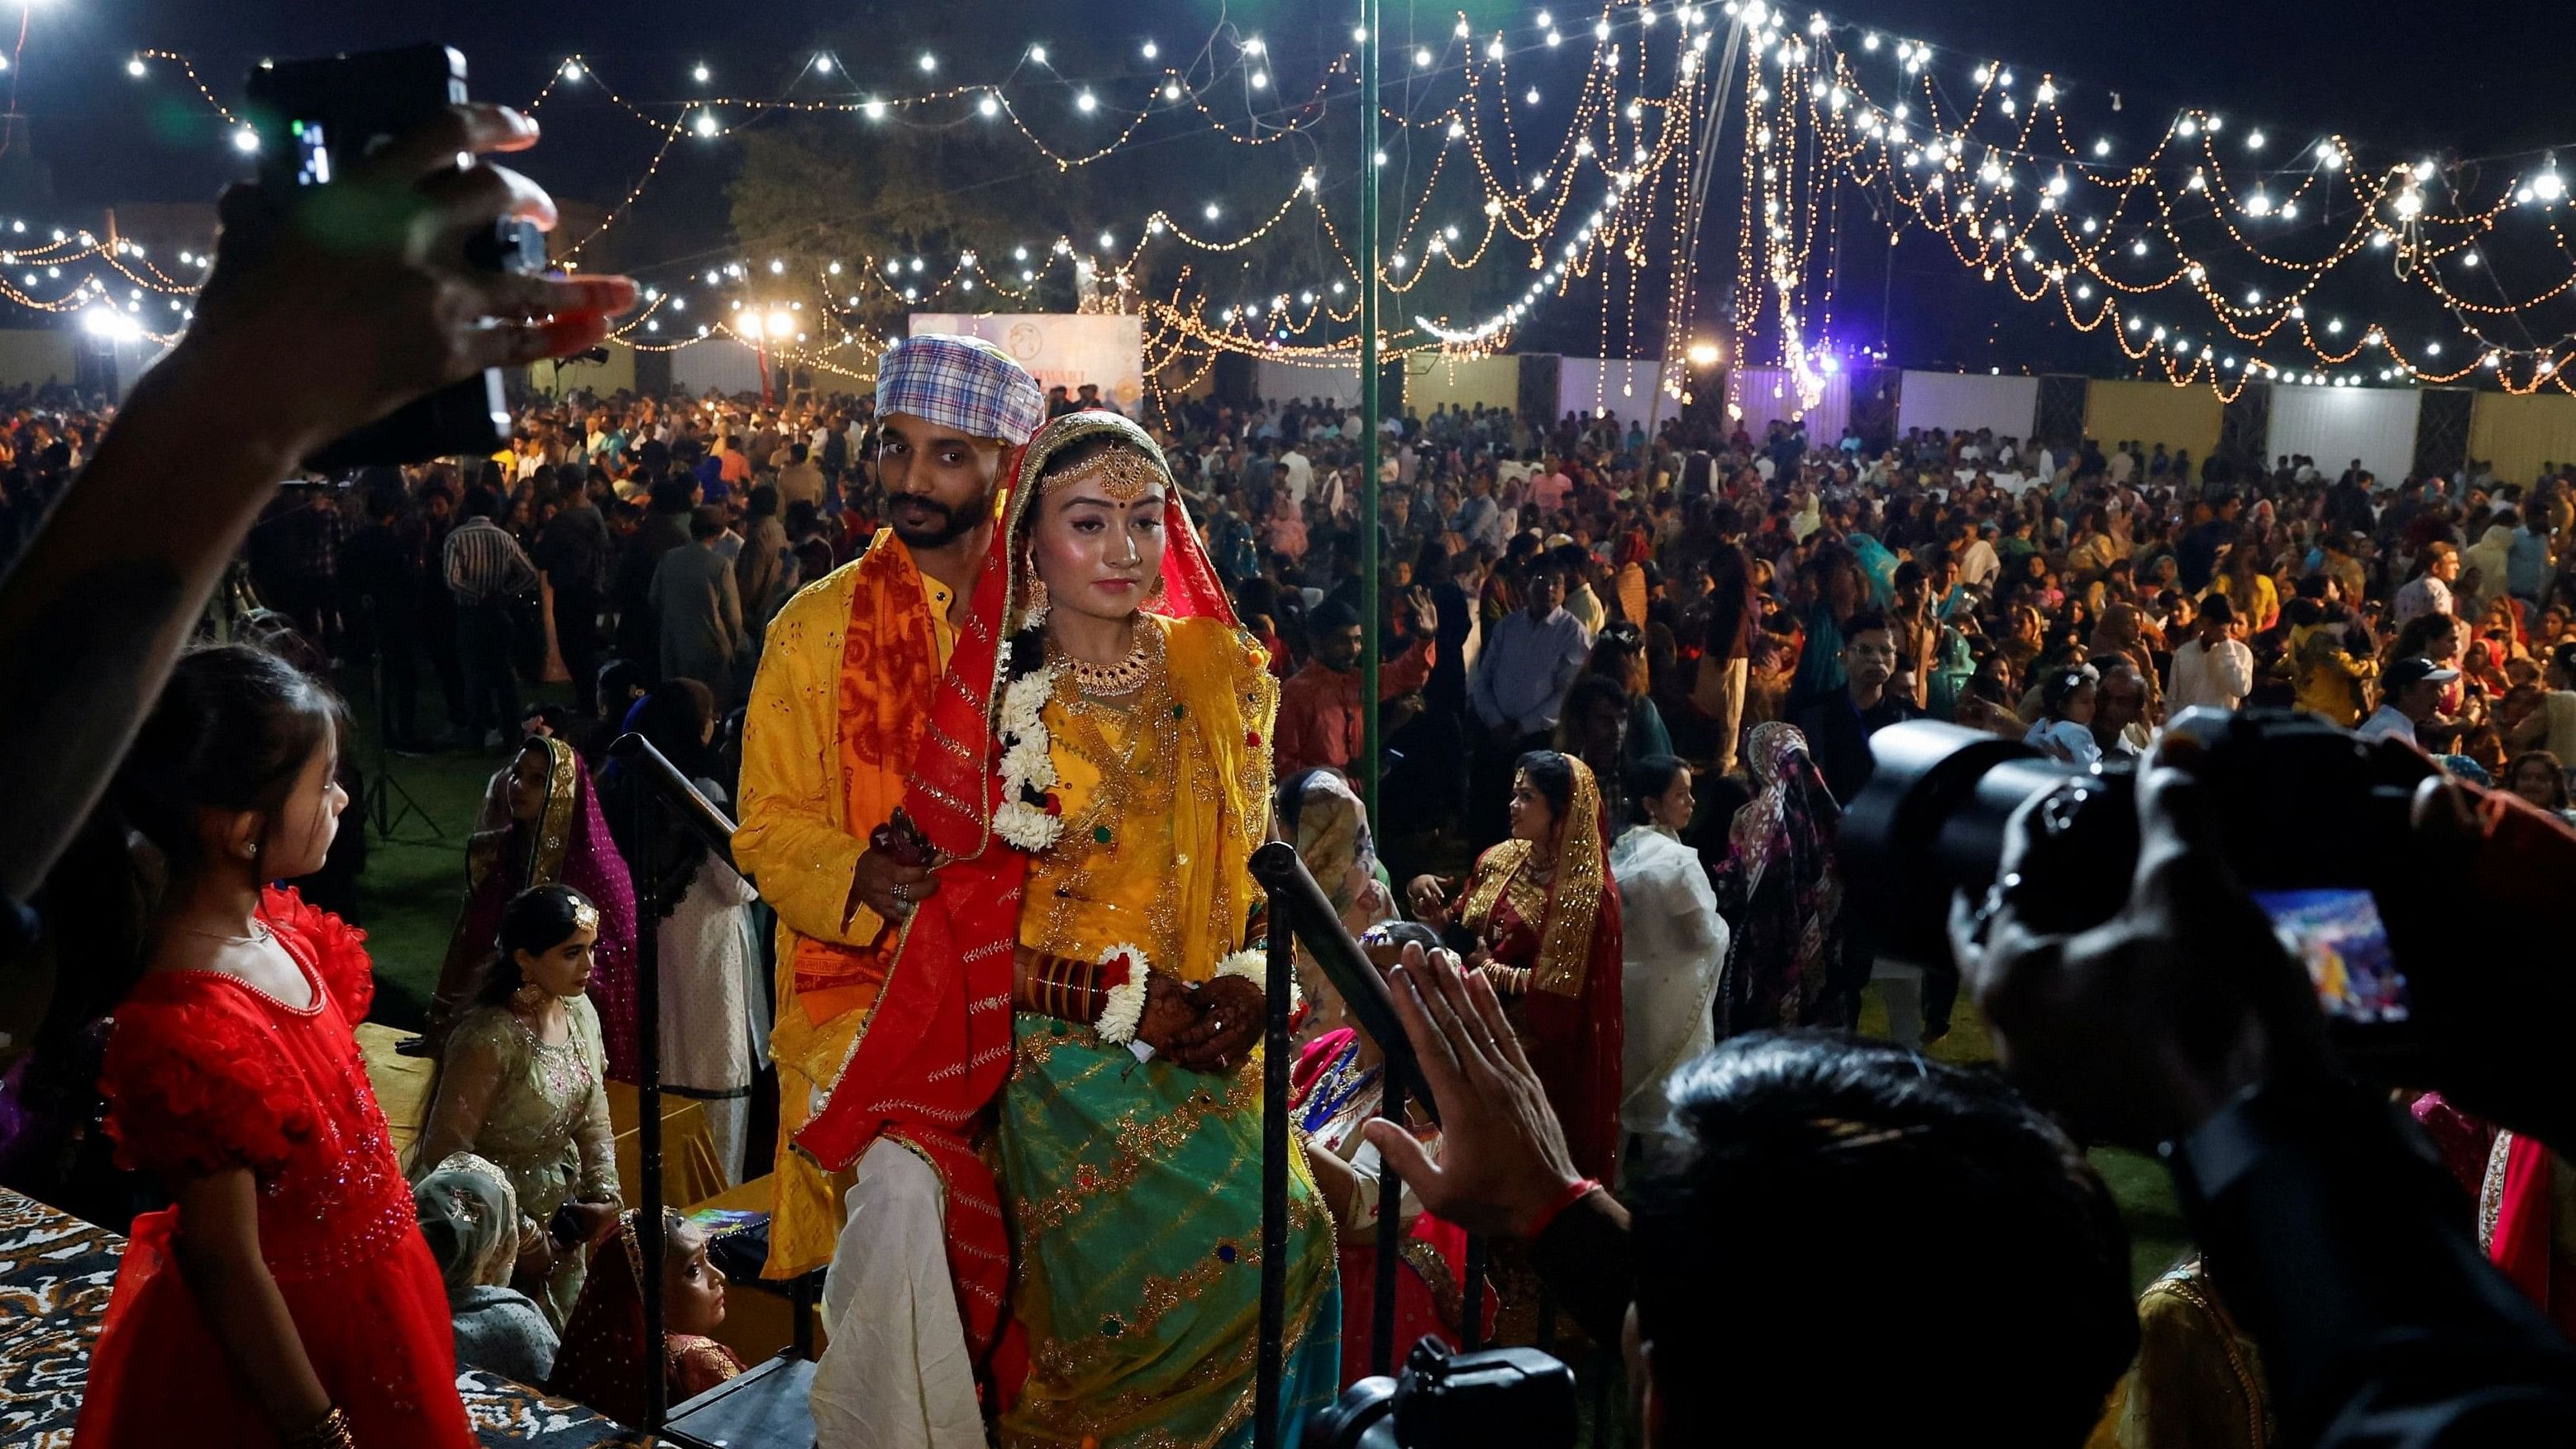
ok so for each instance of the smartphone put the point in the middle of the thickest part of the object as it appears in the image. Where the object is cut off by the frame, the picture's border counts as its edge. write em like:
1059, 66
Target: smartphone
315, 119
2337, 934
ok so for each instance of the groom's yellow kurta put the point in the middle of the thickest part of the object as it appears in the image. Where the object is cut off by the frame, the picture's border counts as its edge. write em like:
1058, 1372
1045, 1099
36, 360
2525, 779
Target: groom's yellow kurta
835, 716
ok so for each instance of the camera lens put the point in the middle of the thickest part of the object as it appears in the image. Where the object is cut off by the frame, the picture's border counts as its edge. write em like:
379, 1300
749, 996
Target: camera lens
1934, 819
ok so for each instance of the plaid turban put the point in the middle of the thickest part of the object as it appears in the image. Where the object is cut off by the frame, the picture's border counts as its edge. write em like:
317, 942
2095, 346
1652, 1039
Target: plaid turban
964, 383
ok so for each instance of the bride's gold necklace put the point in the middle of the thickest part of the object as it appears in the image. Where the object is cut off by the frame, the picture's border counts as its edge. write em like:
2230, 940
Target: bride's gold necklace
1111, 680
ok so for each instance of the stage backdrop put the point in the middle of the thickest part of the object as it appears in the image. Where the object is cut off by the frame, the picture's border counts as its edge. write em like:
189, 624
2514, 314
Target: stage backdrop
2149, 413
720, 363
1586, 385
1285, 381
1061, 349
1768, 394
2335, 425
1462, 382
1964, 400
2518, 434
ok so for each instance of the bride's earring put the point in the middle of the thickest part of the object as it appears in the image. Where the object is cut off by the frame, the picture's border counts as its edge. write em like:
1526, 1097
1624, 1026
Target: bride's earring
1036, 612
1154, 595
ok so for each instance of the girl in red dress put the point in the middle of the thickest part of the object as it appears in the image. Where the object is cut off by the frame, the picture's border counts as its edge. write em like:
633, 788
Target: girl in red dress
288, 1299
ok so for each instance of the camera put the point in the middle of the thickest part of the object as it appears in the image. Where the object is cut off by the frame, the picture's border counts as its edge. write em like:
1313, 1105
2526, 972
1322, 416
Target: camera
1500, 1398
2312, 821
314, 118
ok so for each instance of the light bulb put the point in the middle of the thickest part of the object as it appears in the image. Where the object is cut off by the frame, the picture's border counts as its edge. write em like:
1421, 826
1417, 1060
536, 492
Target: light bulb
134, 67
989, 106
1152, 50
705, 123
929, 62
701, 73
822, 65
1037, 54
1422, 58
2548, 186
2102, 147
1086, 103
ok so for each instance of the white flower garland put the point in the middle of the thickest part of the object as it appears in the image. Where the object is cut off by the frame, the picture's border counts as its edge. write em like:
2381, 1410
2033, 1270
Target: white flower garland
1254, 966
1123, 1010
1027, 765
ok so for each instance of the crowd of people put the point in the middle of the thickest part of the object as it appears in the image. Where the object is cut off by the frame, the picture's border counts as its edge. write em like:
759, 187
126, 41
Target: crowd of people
947, 646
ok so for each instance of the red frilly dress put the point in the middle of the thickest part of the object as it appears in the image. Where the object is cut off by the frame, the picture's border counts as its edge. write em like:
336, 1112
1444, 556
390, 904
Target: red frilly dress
203, 1073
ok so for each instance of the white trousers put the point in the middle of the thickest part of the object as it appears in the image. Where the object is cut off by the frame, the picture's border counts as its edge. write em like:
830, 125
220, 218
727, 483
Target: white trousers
896, 1374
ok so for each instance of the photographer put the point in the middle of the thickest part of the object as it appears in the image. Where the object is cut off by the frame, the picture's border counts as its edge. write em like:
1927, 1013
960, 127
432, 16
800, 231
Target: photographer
367, 275
2180, 1022
1786, 1150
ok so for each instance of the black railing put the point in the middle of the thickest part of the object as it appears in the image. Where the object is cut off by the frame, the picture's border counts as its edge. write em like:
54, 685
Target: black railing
1300, 914
672, 792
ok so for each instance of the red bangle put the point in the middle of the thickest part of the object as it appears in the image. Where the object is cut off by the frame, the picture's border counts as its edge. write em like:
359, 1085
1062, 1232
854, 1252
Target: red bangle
1574, 1192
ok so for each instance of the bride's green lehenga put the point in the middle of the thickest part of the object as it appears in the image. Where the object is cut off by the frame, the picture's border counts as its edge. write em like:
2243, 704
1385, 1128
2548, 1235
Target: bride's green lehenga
1133, 1190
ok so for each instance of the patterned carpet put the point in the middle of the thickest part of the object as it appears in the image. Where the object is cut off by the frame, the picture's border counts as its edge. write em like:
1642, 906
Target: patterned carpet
55, 1275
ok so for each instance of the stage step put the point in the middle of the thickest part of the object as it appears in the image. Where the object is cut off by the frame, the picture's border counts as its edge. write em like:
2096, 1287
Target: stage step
764, 1407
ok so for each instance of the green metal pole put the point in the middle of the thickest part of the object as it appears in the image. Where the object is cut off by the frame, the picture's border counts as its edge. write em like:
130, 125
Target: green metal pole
1371, 410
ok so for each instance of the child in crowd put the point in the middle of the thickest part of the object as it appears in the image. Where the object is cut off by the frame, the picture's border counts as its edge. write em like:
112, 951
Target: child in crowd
604, 1345
288, 1297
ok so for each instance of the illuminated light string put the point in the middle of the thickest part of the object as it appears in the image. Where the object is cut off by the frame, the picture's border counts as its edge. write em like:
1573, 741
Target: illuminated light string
1508, 210
577, 68
1962, 186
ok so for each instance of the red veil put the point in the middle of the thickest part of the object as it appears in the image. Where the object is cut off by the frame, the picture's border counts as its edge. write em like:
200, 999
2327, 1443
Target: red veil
936, 1047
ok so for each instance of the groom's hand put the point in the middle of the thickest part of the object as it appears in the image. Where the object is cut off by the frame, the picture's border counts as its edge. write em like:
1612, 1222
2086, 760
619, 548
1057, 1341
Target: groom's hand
1234, 1012
1171, 1012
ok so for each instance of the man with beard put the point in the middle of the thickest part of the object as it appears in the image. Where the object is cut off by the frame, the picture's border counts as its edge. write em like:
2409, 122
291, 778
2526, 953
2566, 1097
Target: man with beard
836, 716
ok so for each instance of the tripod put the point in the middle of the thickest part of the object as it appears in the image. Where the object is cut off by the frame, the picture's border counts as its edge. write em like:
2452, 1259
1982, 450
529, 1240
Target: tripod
387, 803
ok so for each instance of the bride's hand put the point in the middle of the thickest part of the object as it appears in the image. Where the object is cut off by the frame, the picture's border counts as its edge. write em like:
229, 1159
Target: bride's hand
1236, 1011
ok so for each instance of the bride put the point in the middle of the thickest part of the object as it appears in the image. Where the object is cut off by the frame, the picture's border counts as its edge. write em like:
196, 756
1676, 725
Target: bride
1097, 774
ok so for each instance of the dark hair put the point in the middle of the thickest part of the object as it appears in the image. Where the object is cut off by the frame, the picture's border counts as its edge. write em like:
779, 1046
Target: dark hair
482, 502
536, 921
764, 501
2061, 685
1811, 1136
1863, 622
1551, 775
671, 495
618, 676
1331, 615
706, 523
2216, 607
1647, 779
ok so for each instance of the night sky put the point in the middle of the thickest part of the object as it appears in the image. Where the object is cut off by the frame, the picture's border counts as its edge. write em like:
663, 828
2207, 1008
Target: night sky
2399, 80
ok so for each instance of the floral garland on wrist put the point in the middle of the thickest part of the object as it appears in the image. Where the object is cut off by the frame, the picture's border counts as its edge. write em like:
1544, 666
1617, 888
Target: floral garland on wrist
1027, 767
1253, 965
1122, 1007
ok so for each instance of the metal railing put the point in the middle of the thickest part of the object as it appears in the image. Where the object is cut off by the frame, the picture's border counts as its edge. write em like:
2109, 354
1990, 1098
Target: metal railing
1299, 913
669, 790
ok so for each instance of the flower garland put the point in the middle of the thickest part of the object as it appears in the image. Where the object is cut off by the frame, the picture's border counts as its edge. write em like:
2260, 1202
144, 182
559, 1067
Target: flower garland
1027, 767
1253, 965
1122, 1010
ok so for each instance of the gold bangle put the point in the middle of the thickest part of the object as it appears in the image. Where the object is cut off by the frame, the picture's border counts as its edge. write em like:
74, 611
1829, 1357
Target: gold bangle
331, 1431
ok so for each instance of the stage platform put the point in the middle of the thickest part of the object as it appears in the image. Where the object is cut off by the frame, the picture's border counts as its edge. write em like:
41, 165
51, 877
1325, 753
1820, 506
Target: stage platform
55, 1275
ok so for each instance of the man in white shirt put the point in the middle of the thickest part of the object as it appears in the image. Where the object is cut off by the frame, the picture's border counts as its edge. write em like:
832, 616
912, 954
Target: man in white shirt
1301, 472
2215, 670
2410, 694
2430, 593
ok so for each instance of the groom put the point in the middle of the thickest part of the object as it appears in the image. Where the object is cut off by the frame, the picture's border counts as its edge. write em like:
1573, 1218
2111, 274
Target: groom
836, 715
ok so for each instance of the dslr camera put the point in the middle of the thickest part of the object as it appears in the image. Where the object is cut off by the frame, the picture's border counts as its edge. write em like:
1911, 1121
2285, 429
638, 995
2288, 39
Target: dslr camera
2313, 821
1500, 1398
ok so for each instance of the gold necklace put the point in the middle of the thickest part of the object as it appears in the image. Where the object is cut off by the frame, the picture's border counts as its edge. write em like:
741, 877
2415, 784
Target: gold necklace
1111, 680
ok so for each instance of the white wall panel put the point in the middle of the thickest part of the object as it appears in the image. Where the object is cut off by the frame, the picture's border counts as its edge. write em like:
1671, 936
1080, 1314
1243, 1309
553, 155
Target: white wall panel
1957, 401
2335, 425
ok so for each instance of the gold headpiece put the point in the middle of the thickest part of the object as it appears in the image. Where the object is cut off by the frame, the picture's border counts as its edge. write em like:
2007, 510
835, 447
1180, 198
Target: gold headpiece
1121, 473
585, 916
